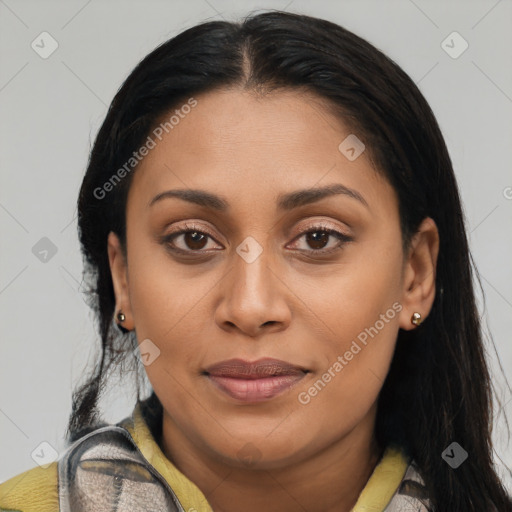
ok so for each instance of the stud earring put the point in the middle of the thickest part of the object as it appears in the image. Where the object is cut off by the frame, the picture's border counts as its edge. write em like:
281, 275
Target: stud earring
121, 317
416, 319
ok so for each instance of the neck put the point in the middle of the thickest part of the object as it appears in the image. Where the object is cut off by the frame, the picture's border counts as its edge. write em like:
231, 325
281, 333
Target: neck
329, 481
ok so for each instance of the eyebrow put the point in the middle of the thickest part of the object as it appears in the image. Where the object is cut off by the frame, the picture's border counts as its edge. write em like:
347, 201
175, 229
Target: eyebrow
286, 201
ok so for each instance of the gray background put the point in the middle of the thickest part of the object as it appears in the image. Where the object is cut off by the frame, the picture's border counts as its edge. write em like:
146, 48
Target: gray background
52, 108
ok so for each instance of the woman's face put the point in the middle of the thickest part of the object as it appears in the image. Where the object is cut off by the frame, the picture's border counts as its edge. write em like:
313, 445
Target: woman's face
272, 266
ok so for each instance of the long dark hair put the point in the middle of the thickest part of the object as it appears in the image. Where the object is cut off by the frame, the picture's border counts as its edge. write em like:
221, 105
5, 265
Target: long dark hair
438, 389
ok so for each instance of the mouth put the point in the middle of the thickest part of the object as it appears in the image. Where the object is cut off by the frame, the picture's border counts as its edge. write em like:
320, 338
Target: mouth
256, 381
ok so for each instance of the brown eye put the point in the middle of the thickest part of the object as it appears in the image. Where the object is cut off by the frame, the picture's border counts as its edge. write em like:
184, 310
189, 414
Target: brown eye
195, 240
317, 239
322, 240
189, 240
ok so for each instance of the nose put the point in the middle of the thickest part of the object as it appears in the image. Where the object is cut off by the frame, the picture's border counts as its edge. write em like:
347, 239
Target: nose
253, 297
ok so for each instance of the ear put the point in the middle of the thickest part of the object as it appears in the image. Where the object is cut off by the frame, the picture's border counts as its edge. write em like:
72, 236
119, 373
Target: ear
419, 276
119, 272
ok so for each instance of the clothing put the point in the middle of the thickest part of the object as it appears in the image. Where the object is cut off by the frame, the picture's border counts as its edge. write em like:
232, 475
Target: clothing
122, 468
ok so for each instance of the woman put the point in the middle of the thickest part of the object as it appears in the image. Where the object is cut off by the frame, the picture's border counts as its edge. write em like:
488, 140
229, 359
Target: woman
270, 213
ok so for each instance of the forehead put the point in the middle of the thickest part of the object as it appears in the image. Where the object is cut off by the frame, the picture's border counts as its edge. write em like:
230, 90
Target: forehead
236, 143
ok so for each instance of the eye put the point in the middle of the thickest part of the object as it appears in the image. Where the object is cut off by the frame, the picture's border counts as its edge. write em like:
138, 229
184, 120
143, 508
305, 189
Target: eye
188, 240
323, 239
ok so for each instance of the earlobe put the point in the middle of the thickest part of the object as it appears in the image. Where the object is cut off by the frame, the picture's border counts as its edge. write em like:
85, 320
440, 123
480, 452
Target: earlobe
419, 284
118, 270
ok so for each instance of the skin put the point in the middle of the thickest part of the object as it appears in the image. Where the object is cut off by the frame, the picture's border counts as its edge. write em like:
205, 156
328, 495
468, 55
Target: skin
288, 304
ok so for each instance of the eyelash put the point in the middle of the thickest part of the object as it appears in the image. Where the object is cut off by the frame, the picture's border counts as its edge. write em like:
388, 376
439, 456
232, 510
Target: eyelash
342, 238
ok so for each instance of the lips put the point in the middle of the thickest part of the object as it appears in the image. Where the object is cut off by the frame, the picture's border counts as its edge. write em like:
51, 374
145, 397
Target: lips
255, 381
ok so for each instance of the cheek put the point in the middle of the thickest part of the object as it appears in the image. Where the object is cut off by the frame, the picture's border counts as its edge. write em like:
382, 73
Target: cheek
360, 312
349, 384
164, 295
355, 293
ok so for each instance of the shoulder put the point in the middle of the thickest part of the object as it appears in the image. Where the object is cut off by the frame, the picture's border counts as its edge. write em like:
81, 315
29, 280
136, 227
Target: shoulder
108, 462
412, 493
35, 489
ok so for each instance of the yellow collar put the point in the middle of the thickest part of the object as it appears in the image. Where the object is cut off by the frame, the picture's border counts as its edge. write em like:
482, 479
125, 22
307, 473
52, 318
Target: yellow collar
375, 496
